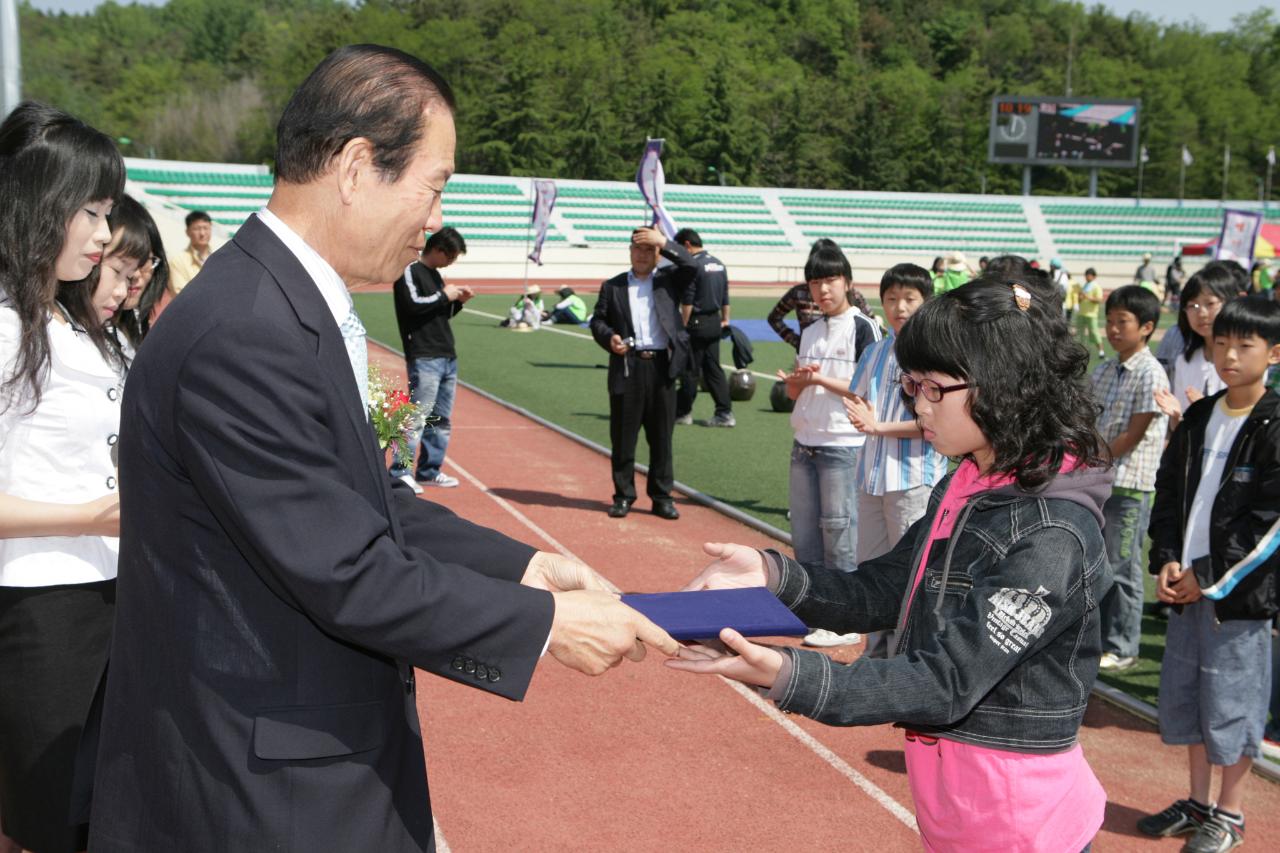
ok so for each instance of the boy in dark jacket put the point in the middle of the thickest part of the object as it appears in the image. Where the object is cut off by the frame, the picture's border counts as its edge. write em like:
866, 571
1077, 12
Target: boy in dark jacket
1215, 532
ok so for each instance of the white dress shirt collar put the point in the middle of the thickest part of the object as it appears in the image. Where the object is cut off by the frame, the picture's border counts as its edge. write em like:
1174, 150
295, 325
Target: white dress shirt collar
644, 315
326, 278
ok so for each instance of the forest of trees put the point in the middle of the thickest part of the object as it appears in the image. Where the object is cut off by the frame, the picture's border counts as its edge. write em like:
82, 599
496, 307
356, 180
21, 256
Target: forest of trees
841, 94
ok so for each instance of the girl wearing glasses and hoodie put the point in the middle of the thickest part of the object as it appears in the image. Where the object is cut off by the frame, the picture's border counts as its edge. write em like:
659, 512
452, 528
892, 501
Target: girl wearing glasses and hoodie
993, 594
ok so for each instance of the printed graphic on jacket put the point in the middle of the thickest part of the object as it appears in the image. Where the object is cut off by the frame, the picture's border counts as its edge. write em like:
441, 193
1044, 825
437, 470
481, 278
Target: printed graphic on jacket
1017, 618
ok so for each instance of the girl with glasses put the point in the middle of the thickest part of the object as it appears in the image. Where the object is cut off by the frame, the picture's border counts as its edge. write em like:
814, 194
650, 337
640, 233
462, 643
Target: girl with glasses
1192, 374
994, 593
150, 288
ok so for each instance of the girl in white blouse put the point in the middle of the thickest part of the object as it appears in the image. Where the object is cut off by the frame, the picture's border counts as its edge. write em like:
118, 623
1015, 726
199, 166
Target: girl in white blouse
60, 389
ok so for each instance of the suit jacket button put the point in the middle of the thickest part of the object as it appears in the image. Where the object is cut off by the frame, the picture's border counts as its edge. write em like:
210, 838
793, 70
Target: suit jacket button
494, 674
482, 672
469, 666
457, 663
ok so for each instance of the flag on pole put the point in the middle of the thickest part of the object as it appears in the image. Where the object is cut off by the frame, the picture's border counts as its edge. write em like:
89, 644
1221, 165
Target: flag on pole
1239, 236
544, 199
1271, 156
1187, 159
1144, 156
651, 180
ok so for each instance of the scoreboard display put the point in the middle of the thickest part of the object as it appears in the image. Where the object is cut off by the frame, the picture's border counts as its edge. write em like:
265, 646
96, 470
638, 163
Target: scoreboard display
1064, 132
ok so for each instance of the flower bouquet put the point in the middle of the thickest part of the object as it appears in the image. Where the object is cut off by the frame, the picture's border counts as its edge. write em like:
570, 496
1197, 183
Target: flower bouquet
395, 418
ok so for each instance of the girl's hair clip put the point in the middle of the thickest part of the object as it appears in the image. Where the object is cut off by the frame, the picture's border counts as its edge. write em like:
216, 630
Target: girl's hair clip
1021, 296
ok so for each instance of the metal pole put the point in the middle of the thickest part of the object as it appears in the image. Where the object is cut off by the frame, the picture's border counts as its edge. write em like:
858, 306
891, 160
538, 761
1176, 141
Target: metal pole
1226, 166
1182, 176
528, 233
1093, 183
1266, 199
1141, 163
10, 58
1026, 180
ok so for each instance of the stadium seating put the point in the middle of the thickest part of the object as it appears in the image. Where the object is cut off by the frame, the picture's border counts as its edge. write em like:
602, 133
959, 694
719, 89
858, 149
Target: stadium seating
495, 211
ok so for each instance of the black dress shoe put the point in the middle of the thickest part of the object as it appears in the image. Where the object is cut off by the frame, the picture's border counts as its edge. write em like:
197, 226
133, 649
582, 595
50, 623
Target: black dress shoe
620, 509
666, 509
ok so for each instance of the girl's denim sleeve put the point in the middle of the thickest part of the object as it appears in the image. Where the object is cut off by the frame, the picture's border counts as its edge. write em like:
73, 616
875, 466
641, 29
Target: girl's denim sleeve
864, 600
1019, 604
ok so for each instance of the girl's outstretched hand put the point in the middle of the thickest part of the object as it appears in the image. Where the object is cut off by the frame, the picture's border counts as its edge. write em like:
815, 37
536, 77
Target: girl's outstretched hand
735, 566
747, 662
1168, 403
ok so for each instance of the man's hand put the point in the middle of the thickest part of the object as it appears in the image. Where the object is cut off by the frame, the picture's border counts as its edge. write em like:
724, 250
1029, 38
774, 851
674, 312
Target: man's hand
465, 293
556, 573
735, 566
861, 415
748, 662
649, 237
453, 292
618, 345
592, 631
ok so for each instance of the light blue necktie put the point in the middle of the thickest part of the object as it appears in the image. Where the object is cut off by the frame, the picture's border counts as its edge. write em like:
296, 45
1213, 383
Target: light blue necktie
354, 337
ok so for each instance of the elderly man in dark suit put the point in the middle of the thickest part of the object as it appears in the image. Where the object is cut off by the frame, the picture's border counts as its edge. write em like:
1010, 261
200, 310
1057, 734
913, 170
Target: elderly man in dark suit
637, 319
277, 587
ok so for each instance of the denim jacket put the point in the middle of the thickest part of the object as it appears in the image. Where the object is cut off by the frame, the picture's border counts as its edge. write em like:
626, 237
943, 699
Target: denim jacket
1001, 642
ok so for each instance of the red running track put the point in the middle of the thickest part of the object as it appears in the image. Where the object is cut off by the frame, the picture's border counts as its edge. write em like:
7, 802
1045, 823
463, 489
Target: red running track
645, 758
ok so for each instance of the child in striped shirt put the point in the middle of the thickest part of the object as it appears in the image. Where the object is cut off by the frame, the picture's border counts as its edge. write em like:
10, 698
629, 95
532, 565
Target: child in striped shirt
897, 468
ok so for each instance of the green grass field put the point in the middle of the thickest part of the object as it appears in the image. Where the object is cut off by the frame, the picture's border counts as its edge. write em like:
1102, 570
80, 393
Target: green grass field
561, 377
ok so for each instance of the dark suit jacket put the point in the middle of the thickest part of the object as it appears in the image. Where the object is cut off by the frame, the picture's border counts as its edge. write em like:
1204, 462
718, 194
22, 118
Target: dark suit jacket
275, 590
612, 314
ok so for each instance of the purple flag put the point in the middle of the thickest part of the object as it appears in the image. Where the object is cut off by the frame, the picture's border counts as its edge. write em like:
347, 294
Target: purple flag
1239, 236
544, 199
651, 180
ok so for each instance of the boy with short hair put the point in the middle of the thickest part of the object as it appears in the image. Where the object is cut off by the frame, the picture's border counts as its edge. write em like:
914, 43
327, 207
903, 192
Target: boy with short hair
897, 469
1133, 426
1214, 533
1090, 299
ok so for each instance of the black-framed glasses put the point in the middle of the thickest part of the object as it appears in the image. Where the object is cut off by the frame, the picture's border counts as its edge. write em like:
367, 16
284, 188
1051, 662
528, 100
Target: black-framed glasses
927, 388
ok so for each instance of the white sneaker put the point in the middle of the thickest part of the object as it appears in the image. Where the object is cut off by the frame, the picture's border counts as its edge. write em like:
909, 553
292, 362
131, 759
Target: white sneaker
442, 480
408, 480
825, 639
1111, 662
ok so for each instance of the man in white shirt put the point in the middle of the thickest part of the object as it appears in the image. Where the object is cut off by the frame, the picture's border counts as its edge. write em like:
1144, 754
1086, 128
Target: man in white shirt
281, 590
637, 320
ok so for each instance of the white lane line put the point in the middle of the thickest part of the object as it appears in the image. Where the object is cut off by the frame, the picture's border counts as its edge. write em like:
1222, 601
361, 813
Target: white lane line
519, 516
442, 846
868, 787
551, 328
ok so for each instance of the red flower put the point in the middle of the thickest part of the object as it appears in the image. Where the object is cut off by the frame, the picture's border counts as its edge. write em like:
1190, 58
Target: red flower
396, 400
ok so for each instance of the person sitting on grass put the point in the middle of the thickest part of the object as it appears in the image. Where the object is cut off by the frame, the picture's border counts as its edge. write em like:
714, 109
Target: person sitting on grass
570, 310
1134, 428
527, 311
897, 469
1213, 532
824, 513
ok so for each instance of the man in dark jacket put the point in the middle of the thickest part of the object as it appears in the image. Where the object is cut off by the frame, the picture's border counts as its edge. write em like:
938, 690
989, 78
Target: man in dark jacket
704, 308
424, 307
637, 319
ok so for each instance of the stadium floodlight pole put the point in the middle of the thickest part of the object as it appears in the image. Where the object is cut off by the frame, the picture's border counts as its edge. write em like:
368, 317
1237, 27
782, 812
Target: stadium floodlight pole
1226, 168
10, 59
1271, 162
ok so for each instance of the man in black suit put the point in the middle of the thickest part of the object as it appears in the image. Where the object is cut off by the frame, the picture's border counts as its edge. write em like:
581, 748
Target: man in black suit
637, 319
278, 588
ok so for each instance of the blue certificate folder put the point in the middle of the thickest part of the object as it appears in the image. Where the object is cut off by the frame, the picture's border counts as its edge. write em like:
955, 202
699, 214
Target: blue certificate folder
752, 612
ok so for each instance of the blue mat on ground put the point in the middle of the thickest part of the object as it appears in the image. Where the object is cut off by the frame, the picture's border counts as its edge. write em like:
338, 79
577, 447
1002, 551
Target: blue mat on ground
759, 330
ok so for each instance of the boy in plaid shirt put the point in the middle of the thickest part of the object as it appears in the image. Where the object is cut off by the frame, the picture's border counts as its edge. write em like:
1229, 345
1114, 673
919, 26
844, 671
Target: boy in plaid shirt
1134, 428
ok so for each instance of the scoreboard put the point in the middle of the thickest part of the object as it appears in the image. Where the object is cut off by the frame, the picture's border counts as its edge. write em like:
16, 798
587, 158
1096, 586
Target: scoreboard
1064, 131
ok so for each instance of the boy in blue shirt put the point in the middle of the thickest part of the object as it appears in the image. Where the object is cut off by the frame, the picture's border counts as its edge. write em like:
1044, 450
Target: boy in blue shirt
898, 468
